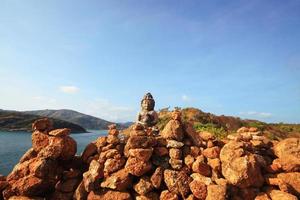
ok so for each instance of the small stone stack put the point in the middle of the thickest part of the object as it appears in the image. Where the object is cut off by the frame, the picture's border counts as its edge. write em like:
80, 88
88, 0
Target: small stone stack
49, 169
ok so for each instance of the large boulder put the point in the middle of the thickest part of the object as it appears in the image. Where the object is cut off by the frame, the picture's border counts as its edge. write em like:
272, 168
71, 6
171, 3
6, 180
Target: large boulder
288, 152
240, 167
292, 179
177, 182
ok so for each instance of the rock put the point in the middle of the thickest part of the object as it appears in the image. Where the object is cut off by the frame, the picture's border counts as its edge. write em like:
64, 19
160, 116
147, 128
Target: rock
175, 153
239, 167
141, 154
173, 130
135, 142
174, 144
192, 134
42, 125
149, 196
60, 132
262, 196
198, 189
30, 186
113, 164
212, 152
206, 136
215, 164
292, 179
137, 167
195, 151
66, 186
100, 142
109, 195
39, 140
279, 195
112, 139
166, 195
80, 193
161, 151
199, 166
91, 177
177, 182
175, 163
242, 130
25, 198
30, 154
157, 177
253, 129
189, 160
119, 180
112, 130
90, 150
200, 178
61, 195
216, 192
288, 152
144, 186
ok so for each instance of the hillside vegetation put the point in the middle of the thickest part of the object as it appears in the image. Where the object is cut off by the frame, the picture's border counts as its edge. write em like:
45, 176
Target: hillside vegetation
223, 125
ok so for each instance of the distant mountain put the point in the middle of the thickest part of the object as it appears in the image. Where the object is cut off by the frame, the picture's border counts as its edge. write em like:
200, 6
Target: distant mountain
86, 121
20, 121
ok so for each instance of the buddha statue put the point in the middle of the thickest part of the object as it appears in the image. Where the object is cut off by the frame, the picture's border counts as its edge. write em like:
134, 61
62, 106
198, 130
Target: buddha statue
147, 116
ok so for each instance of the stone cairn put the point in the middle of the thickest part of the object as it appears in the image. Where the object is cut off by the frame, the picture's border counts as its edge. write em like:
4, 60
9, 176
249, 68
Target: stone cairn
174, 164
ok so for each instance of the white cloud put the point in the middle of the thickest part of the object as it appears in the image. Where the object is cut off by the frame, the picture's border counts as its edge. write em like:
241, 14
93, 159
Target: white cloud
256, 114
69, 89
185, 98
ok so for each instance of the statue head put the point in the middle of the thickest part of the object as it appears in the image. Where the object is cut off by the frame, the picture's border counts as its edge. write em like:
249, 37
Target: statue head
148, 102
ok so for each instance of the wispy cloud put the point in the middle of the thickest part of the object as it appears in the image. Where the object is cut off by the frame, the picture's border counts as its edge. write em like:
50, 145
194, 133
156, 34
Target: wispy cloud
256, 114
185, 98
70, 89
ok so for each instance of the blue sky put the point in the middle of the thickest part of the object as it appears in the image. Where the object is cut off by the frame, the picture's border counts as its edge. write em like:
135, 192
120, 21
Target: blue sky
239, 58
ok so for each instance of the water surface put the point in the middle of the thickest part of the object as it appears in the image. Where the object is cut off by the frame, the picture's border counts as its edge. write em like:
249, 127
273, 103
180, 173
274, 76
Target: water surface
14, 144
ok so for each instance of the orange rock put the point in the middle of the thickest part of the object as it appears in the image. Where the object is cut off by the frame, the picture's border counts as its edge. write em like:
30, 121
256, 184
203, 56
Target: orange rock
177, 182
80, 193
176, 163
119, 180
137, 167
279, 195
292, 179
192, 134
113, 164
42, 125
167, 195
189, 160
205, 135
90, 150
39, 140
60, 132
288, 152
175, 153
149, 196
30, 154
262, 196
144, 186
173, 130
161, 151
199, 166
157, 177
109, 195
239, 169
198, 189
212, 152
200, 178
94, 173
141, 154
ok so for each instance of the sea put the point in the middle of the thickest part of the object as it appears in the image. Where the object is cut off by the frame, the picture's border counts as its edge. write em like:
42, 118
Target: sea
14, 144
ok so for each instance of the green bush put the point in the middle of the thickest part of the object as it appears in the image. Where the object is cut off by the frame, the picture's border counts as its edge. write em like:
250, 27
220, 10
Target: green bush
219, 132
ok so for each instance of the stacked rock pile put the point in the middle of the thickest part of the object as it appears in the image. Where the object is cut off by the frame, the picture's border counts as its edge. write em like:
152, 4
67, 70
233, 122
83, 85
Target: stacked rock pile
49, 169
174, 164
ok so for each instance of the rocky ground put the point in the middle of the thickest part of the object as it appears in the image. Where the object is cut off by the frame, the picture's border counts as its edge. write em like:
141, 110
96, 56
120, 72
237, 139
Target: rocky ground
175, 163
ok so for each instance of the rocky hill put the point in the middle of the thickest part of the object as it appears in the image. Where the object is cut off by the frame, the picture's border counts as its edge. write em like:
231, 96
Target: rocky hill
20, 121
86, 121
175, 163
223, 125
